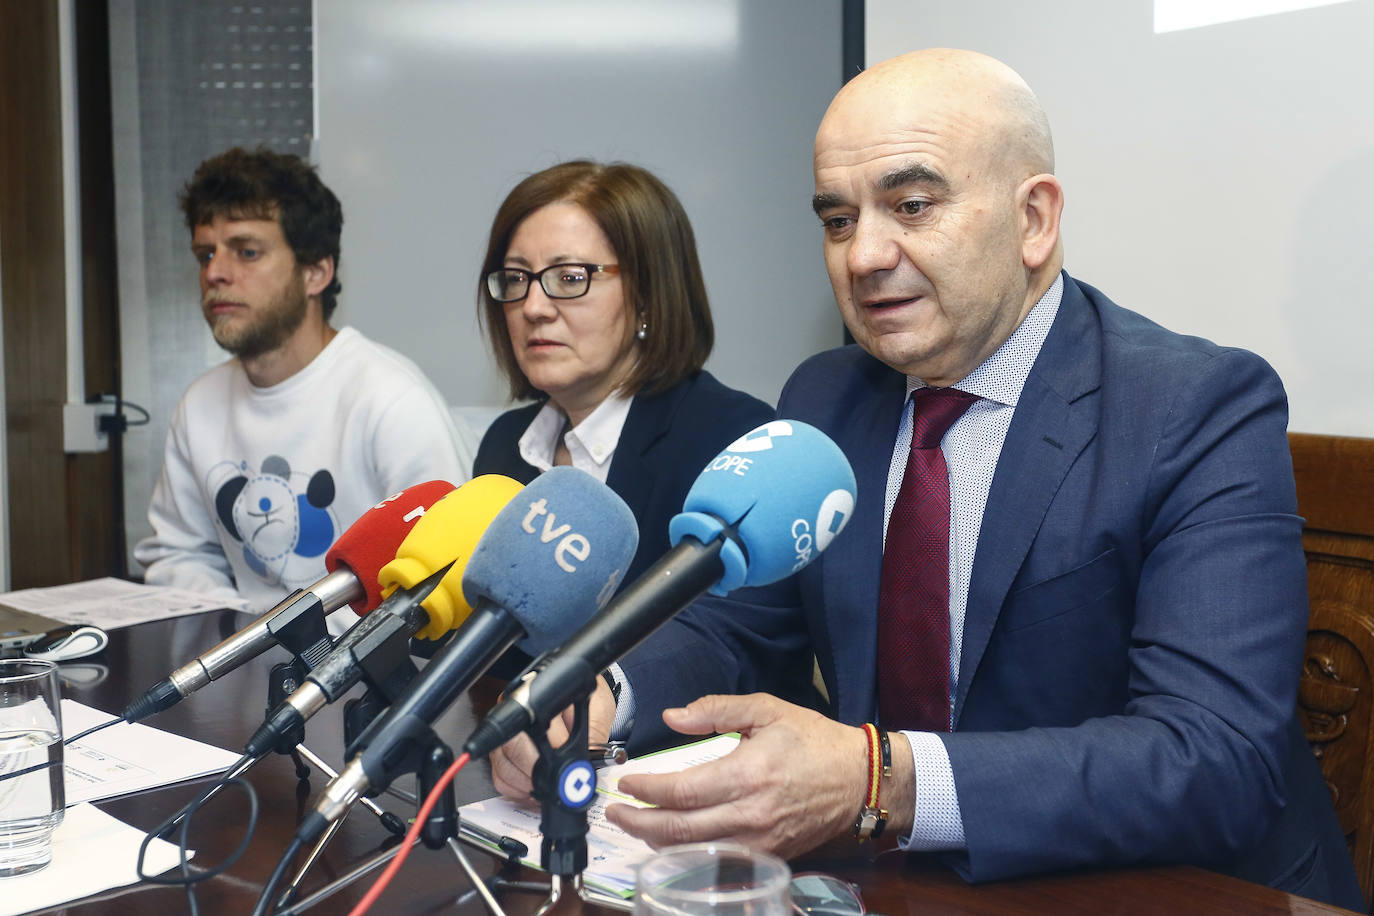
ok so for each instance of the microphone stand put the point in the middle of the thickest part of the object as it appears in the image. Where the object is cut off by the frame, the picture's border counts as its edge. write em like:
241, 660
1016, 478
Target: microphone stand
390, 821
564, 783
386, 672
440, 830
361, 870
282, 680
301, 631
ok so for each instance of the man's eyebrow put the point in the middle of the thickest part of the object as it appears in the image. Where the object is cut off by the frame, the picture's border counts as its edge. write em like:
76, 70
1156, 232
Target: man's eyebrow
895, 180
822, 202
238, 241
915, 173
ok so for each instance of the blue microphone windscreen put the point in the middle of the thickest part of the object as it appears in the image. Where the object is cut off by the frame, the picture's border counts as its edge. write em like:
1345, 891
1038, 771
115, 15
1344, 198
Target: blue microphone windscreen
553, 556
788, 490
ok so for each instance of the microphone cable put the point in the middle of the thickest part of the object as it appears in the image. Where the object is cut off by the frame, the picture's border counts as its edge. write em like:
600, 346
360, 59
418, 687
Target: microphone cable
188, 880
408, 843
118, 422
14, 774
239, 768
92, 730
264, 906
232, 777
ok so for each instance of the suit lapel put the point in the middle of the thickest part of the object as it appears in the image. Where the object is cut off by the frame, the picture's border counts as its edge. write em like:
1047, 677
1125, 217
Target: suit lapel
648, 421
1053, 423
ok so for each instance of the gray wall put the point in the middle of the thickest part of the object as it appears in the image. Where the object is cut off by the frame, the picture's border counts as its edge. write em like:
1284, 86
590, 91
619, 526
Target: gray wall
188, 80
1219, 180
430, 112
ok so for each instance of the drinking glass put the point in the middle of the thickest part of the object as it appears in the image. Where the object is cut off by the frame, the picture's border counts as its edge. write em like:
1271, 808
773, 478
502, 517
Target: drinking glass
32, 797
712, 879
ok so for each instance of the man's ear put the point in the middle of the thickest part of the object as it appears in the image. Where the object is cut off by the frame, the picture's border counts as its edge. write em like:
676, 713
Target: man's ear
1043, 198
318, 276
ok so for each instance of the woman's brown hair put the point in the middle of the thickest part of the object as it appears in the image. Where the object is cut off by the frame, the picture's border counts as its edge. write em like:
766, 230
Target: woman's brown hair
659, 271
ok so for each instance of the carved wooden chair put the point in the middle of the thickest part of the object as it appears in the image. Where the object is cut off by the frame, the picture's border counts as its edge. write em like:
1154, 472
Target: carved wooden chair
1335, 479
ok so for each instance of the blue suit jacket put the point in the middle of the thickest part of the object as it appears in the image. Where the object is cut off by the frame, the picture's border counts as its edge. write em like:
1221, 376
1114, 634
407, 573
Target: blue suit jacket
1136, 613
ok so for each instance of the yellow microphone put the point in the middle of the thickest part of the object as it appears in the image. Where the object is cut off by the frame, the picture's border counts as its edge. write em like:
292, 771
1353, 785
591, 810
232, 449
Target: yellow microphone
445, 534
448, 533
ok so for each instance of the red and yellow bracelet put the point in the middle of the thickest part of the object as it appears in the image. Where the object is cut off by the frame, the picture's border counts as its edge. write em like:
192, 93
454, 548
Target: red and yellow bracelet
872, 817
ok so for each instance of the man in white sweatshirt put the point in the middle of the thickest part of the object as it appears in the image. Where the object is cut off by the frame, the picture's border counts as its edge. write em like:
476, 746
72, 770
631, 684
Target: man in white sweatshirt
275, 452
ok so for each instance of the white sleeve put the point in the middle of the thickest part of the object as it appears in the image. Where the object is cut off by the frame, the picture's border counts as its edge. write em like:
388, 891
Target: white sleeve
184, 549
938, 823
416, 440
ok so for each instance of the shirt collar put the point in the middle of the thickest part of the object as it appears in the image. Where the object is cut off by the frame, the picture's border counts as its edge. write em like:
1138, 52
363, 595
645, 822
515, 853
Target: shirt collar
591, 443
1002, 375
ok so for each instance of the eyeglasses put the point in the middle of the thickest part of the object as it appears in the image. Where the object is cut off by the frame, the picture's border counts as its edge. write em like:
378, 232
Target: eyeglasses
559, 281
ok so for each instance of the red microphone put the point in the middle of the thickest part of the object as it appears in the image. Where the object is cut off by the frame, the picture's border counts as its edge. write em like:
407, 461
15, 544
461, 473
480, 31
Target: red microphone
372, 542
353, 562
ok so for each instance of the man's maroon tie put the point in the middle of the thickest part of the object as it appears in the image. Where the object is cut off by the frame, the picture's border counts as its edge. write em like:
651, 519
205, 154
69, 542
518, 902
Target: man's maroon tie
913, 598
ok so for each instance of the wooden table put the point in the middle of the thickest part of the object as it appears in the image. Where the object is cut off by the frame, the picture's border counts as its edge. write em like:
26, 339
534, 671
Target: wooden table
226, 712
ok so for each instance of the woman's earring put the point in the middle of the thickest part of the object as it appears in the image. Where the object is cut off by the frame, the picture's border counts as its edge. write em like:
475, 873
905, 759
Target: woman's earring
643, 330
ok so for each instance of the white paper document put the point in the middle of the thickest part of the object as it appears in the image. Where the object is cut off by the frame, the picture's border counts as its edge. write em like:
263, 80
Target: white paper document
128, 757
91, 852
113, 603
612, 854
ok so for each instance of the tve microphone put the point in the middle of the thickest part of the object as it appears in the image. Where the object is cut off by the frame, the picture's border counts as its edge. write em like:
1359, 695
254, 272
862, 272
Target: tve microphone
379, 642
353, 561
760, 511
546, 563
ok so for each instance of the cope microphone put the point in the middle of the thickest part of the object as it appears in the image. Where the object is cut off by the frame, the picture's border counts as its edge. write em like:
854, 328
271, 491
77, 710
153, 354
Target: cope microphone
551, 558
379, 642
353, 562
761, 510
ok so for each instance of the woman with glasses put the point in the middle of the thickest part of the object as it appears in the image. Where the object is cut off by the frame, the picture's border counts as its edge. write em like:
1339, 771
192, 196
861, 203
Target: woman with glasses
593, 300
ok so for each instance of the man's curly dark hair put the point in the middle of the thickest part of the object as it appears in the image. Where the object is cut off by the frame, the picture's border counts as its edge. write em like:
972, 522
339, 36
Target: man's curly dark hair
263, 184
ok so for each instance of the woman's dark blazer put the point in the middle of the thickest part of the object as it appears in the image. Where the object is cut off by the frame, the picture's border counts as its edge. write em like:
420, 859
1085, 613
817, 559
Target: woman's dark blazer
667, 440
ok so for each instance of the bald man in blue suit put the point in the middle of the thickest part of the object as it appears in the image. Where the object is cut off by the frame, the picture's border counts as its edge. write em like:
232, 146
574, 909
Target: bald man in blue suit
1126, 577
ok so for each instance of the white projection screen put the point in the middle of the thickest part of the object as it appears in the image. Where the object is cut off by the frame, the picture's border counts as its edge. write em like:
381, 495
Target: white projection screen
431, 110
1218, 179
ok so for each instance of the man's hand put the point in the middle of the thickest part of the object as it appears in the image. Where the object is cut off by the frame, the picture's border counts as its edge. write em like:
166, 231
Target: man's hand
513, 762
796, 780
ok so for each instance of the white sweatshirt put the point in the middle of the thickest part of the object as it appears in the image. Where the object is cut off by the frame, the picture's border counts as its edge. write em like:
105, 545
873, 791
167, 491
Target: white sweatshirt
258, 482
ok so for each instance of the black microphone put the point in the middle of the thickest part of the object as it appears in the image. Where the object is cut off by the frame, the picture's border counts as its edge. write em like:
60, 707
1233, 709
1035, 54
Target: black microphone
760, 511
551, 557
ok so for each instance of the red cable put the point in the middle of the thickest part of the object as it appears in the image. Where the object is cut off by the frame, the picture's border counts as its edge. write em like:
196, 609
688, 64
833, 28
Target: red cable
408, 842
